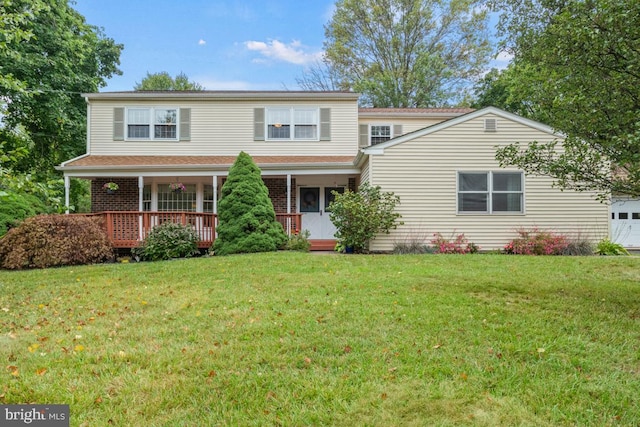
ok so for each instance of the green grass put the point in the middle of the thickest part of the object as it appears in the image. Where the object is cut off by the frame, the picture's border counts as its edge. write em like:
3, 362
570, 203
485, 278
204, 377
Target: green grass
306, 339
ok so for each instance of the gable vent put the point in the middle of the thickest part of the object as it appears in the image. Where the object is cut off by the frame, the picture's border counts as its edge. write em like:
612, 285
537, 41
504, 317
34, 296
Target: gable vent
490, 125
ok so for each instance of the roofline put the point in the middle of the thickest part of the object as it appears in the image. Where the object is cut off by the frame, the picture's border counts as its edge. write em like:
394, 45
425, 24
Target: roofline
222, 95
386, 113
379, 148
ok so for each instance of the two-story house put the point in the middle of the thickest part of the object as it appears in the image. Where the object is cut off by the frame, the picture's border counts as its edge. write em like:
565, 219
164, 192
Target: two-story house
439, 161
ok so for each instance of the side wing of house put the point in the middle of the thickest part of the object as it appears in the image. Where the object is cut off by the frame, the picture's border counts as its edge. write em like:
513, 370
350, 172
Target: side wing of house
450, 183
378, 125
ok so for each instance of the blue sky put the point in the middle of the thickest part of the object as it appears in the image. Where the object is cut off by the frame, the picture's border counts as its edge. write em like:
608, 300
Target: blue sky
221, 44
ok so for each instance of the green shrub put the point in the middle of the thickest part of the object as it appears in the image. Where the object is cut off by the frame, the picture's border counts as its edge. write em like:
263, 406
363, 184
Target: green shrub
607, 247
359, 216
14, 208
166, 241
246, 218
54, 240
299, 242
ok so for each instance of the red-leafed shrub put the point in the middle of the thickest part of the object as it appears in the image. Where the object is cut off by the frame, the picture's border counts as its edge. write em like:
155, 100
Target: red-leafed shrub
538, 242
458, 245
54, 240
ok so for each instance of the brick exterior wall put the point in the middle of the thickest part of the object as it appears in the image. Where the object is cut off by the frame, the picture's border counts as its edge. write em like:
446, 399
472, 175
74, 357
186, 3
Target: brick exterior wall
124, 199
278, 193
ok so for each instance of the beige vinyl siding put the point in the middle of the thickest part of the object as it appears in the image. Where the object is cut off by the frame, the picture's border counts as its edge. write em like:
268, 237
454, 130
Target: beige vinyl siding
364, 172
225, 127
423, 172
408, 124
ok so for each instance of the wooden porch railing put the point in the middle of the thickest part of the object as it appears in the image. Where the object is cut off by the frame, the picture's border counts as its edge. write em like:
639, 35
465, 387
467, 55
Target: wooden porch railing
127, 229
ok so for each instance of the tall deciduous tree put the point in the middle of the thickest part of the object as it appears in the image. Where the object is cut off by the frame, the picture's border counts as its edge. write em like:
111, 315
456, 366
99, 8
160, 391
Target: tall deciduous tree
576, 67
49, 55
407, 53
247, 220
164, 81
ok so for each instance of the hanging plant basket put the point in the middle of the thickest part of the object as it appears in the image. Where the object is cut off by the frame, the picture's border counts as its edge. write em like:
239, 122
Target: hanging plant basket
110, 187
177, 187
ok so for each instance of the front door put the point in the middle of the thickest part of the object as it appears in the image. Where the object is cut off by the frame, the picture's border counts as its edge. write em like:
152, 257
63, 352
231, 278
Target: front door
314, 205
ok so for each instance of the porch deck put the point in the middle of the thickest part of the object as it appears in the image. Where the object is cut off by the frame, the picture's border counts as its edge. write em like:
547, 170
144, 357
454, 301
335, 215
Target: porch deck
126, 229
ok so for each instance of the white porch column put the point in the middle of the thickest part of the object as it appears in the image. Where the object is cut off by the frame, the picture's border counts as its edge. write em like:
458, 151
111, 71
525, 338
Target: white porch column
215, 204
288, 193
67, 186
140, 193
215, 194
141, 232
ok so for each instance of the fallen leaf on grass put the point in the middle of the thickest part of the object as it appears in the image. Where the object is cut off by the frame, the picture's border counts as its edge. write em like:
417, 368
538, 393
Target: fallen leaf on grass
41, 371
13, 370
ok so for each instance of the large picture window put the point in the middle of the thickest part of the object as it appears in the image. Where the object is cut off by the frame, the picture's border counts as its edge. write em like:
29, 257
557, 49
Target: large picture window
292, 124
152, 123
169, 200
490, 192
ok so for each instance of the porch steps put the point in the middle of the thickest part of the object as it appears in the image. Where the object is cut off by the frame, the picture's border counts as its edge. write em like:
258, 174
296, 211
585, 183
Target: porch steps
323, 244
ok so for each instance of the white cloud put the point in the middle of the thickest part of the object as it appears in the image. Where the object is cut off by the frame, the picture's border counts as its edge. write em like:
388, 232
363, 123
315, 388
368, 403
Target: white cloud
202, 42
211, 83
502, 60
293, 52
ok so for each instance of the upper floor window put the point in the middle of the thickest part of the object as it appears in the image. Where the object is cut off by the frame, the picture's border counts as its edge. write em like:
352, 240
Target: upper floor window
380, 133
292, 123
152, 123
490, 192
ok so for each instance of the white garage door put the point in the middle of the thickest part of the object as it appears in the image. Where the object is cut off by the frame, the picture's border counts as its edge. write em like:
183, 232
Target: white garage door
625, 222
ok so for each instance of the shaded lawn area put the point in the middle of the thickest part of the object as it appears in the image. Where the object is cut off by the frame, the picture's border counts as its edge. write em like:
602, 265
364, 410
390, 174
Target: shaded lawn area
306, 339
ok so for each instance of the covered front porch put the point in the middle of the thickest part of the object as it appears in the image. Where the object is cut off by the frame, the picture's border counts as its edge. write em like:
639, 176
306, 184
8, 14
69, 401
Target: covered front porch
126, 229
300, 189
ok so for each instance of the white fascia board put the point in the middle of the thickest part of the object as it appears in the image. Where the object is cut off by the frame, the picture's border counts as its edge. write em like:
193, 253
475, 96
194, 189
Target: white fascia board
87, 173
63, 164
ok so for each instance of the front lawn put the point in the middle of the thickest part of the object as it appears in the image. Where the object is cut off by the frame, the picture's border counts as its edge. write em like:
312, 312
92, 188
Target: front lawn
307, 339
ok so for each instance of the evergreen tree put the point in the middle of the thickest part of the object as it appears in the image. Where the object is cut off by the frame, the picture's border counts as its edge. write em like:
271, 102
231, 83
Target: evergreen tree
246, 218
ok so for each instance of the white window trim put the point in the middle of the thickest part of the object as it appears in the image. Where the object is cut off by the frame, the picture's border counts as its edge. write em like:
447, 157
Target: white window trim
152, 123
490, 193
378, 125
292, 123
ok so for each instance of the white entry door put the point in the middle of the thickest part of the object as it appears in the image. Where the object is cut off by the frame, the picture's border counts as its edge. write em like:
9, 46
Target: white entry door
625, 222
314, 207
